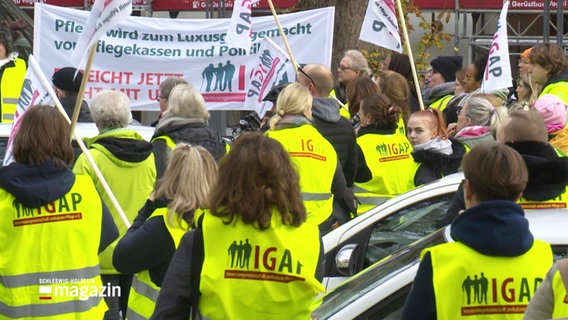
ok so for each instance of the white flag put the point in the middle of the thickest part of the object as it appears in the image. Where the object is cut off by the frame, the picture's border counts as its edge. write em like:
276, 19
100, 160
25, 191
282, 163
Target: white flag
33, 92
239, 33
380, 25
497, 73
104, 15
273, 67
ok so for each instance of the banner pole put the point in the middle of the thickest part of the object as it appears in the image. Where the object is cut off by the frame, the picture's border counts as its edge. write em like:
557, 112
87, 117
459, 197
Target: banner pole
84, 81
283, 35
410, 56
32, 63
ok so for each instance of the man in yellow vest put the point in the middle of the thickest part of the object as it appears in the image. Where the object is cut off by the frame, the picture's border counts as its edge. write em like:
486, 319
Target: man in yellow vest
500, 264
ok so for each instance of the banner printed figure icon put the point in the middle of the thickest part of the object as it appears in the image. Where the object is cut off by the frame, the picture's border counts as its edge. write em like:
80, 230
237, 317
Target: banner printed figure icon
497, 73
32, 93
239, 33
104, 15
273, 67
380, 25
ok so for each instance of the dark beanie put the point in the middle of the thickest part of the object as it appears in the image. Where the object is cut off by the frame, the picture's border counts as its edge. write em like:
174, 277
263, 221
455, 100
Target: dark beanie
447, 66
63, 79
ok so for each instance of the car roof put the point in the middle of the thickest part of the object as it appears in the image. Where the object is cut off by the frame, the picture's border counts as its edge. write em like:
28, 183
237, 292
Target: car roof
385, 277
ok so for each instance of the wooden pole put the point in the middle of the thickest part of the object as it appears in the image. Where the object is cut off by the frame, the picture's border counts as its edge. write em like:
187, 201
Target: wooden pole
47, 85
410, 56
283, 35
81, 94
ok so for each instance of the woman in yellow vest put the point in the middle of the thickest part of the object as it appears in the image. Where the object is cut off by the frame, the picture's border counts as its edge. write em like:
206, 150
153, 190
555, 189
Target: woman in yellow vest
53, 226
252, 255
321, 175
148, 246
550, 301
386, 167
495, 264
12, 74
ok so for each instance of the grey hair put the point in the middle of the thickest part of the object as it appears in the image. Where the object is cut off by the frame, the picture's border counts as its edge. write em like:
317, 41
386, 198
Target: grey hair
482, 113
186, 102
167, 85
358, 62
110, 109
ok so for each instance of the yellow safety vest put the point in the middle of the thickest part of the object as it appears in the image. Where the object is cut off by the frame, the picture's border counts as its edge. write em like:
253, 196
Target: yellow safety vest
253, 274
131, 183
391, 165
143, 292
477, 286
560, 297
344, 112
316, 160
441, 103
558, 89
171, 143
559, 202
11, 87
49, 257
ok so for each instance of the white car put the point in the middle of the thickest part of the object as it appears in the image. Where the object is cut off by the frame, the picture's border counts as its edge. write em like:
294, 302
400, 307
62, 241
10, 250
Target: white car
379, 292
386, 228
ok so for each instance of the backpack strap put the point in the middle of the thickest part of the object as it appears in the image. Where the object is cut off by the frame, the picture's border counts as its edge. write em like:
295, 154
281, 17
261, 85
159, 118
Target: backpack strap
196, 266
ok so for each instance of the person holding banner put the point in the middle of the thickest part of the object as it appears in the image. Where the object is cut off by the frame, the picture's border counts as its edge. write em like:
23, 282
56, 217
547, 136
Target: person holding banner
12, 74
127, 162
56, 224
310, 152
185, 120
550, 70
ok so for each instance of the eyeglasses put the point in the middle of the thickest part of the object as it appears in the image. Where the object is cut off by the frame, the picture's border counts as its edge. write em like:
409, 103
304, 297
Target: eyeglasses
160, 98
343, 68
307, 76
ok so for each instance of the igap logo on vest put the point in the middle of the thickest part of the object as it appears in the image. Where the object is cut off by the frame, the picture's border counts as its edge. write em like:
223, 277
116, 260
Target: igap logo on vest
62, 209
393, 151
482, 295
246, 261
83, 289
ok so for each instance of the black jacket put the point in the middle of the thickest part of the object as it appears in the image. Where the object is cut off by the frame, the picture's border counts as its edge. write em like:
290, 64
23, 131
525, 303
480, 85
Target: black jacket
339, 132
68, 104
493, 228
435, 165
38, 185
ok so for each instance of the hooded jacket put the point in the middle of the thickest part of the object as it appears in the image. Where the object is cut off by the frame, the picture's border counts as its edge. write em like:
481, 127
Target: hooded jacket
495, 228
435, 165
339, 132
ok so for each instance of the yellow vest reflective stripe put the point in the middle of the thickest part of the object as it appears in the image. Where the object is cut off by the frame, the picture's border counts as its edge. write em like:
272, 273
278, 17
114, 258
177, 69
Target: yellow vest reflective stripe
477, 286
11, 87
441, 103
559, 202
560, 297
316, 161
391, 165
253, 274
143, 292
55, 262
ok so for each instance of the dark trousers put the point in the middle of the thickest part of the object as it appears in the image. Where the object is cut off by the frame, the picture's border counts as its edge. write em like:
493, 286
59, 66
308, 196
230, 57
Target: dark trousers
117, 305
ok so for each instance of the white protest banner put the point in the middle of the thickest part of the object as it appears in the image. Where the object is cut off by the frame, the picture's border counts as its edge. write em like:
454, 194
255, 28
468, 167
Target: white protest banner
380, 25
32, 93
497, 73
239, 33
139, 53
104, 15
272, 67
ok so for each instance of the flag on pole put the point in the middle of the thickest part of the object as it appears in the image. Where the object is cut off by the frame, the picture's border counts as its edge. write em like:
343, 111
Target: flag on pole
33, 92
380, 25
104, 15
497, 73
239, 33
273, 67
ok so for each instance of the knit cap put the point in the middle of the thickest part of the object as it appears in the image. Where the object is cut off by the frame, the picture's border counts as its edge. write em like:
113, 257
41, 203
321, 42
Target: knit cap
553, 111
526, 54
65, 79
447, 66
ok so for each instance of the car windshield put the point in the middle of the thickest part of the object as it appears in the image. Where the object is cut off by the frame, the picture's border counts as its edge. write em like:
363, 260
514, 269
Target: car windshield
374, 276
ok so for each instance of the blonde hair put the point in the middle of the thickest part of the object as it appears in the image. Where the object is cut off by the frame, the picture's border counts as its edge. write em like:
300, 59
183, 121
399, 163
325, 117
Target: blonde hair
294, 99
483, 113
186, 102
191, 172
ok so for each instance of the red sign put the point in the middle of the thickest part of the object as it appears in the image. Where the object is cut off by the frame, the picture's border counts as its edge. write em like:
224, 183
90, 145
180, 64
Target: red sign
486, 4
163, 5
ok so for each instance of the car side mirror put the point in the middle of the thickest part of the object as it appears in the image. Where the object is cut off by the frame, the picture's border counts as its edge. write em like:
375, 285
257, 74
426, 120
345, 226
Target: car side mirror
346, 259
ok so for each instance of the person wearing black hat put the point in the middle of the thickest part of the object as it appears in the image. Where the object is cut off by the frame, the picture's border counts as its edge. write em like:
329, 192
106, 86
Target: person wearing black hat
67, 86
440, 81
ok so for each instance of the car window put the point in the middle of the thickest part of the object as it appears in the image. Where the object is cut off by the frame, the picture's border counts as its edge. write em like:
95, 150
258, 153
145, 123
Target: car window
404, 227
388, 309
